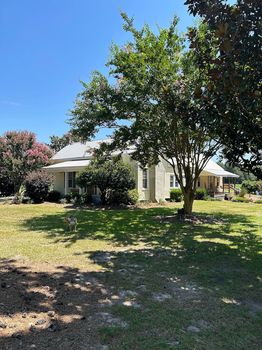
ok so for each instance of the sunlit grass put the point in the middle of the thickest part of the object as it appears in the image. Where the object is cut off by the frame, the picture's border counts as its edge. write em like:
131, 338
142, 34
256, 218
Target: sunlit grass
211, 268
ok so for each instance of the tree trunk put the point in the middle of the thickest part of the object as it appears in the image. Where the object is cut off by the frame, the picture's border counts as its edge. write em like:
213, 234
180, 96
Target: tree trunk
188, 201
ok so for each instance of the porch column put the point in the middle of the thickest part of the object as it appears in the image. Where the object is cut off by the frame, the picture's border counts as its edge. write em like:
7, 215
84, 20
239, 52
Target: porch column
66, 182
223, 184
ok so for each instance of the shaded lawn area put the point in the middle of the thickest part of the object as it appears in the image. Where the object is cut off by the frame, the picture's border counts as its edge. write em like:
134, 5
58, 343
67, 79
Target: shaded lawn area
131, 279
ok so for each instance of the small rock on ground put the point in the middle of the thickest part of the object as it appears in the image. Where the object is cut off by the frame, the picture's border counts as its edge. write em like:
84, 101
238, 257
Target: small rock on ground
40, 322
112, 320
193, 329
2, 325
161, 296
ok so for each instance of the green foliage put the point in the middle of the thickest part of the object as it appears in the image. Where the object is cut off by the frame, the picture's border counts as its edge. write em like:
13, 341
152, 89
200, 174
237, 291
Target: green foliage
176, 195
6, 186
37, 185
133, 196
210, 199
241, 200
259, 201
154, 86
201, 194
68, 198
77, 198
236, 170
122, 197
19, 197
74, 198
243, 192
57, 142
252, 186
53, 196
86, 198
112, 176
234, 75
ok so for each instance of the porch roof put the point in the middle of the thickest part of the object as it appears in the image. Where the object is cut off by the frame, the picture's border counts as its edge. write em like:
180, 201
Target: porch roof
73, 165
217, 172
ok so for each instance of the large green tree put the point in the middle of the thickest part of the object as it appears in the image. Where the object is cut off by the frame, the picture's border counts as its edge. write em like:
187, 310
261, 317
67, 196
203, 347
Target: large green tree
151, 100
235, 72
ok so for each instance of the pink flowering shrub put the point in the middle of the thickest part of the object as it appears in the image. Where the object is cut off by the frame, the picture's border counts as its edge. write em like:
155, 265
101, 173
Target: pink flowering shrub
20, 154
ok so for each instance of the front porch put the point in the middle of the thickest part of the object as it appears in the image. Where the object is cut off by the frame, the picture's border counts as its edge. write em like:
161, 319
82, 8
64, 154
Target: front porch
65, 175
213, 180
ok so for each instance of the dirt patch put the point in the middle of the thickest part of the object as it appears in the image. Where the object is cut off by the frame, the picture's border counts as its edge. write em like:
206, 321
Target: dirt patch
49, 309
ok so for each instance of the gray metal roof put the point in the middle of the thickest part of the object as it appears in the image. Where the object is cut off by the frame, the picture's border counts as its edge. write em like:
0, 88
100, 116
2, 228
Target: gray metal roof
83, 151
78, 150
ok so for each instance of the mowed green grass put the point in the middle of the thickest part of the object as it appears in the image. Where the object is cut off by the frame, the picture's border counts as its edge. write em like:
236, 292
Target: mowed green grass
208, 274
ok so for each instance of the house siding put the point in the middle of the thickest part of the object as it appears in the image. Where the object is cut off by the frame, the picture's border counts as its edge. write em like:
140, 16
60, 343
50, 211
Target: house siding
158, 176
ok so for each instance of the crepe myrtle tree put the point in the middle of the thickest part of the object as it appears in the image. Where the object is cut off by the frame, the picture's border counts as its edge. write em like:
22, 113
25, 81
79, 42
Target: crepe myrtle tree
20, 153
235, 73
151, 101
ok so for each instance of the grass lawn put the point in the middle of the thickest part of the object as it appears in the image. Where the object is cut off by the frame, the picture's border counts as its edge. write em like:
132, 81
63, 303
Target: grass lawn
131, 279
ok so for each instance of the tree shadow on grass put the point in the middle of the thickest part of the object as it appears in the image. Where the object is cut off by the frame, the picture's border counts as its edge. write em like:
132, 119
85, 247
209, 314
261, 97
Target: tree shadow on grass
149, 227
139, 301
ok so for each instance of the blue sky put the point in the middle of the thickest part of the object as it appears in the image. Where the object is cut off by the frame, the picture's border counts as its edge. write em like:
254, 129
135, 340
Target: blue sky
47, 46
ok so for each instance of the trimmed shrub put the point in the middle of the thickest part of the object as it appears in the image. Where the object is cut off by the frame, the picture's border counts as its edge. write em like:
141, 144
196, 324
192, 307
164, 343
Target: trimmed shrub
241, 200
53, 196
252, 186
176, 195
76, 198
259, 201
68, 198
122, 197
37, 185
201, 194
86, 198
133, 196
242, 192
112, 177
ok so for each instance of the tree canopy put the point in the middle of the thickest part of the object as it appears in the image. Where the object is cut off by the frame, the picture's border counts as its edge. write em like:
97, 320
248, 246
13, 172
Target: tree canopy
20, 153
152, 102
235, 73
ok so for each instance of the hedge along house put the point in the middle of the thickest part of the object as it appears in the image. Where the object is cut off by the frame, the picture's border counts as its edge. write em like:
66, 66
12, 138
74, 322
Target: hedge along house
153, 183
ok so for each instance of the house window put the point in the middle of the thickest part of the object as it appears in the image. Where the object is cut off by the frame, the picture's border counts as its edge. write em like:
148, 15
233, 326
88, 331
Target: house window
145, 178
72, 180
173, 182
198, 182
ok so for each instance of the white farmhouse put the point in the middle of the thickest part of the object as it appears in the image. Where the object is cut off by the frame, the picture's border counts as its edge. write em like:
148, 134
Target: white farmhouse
153, 183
